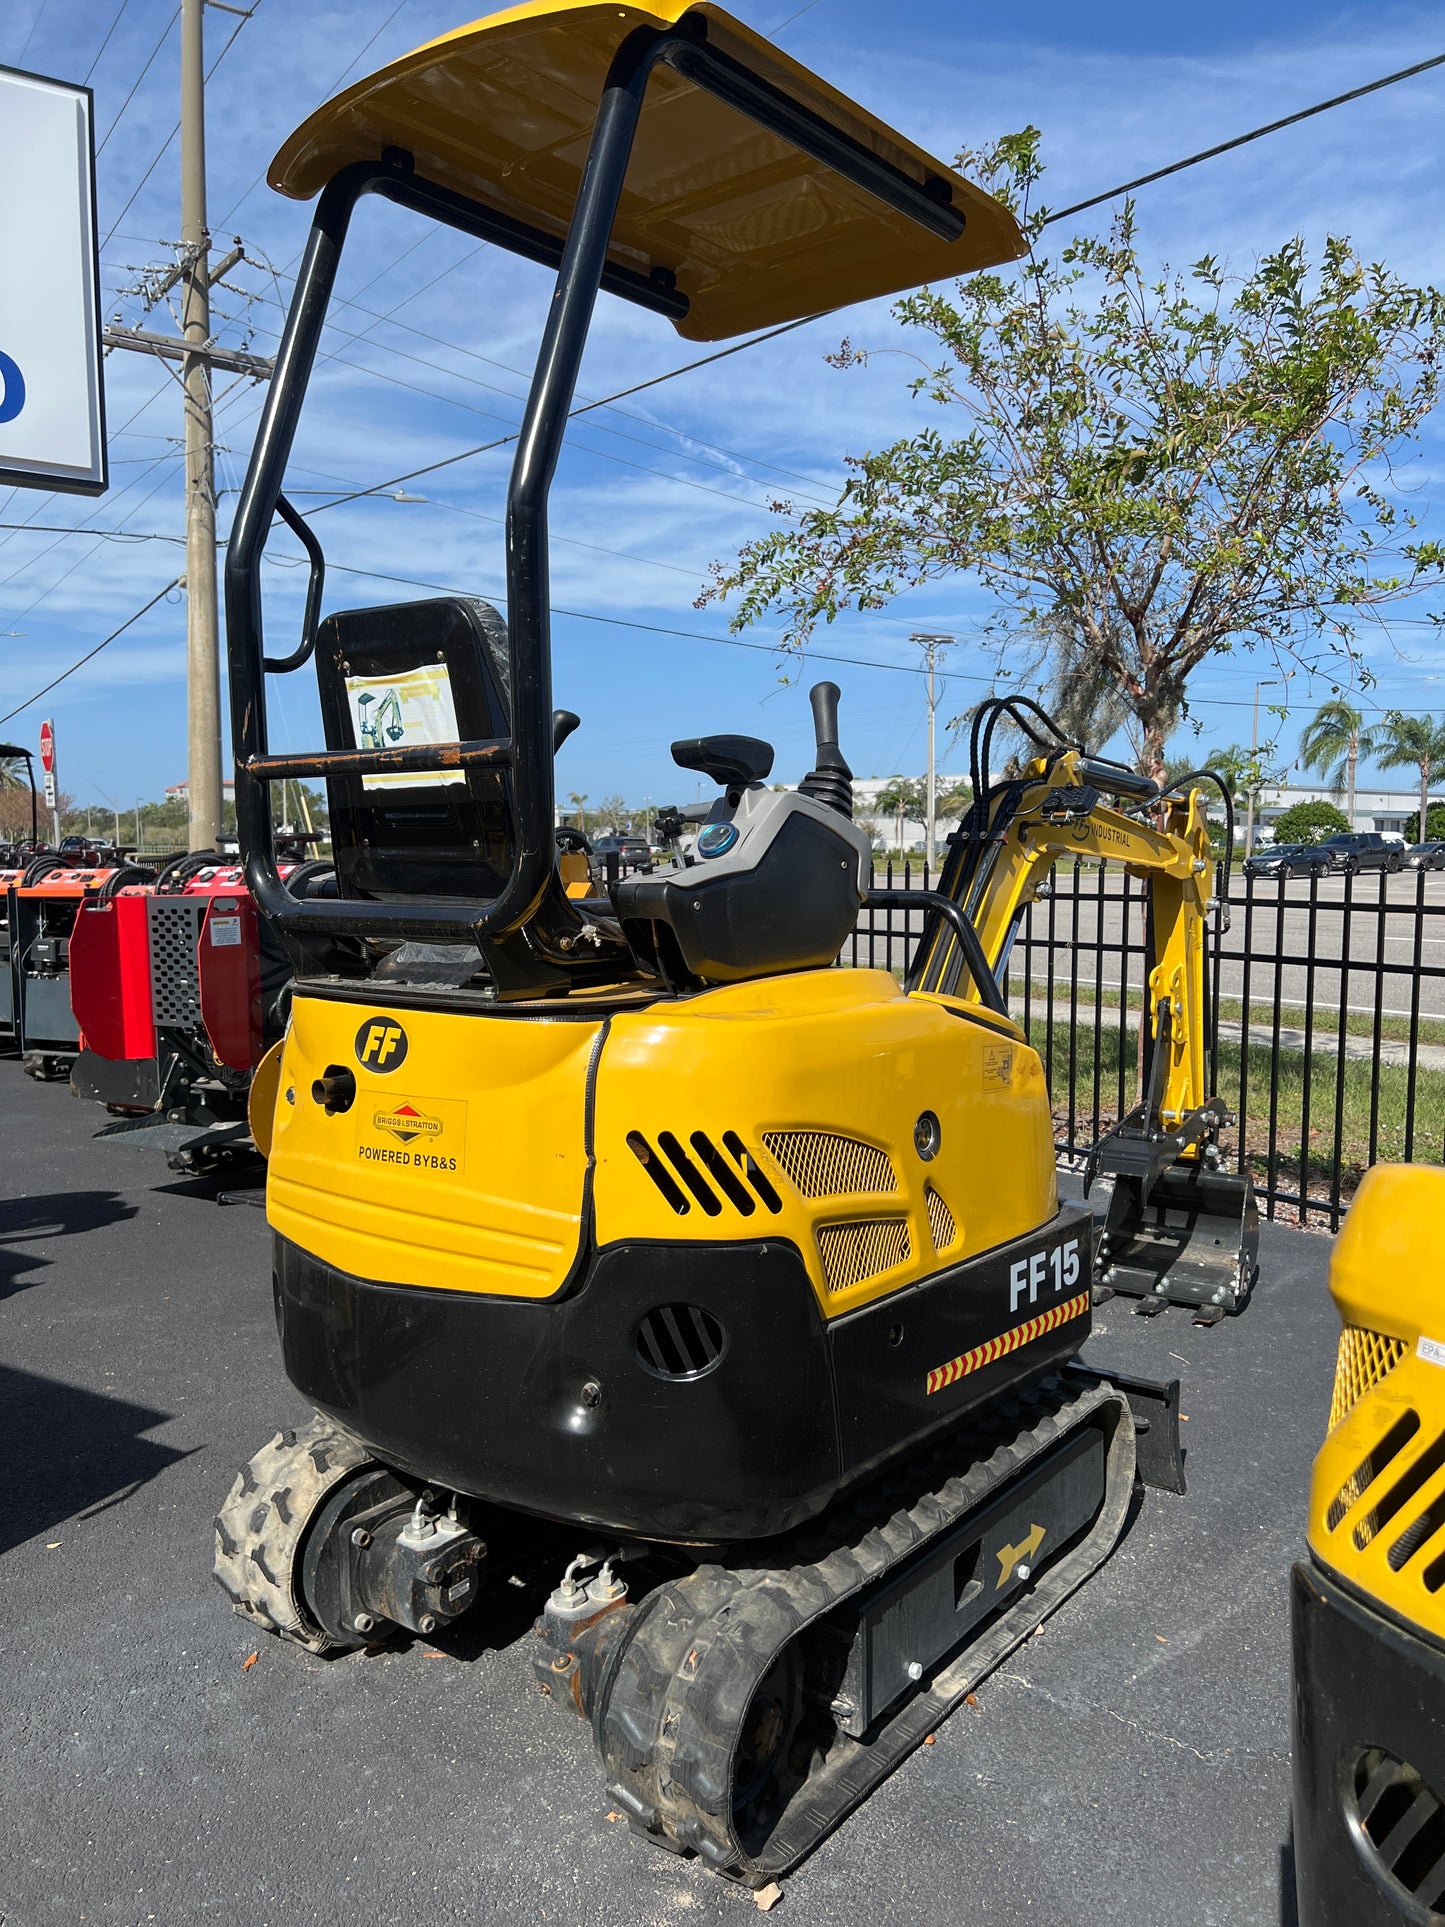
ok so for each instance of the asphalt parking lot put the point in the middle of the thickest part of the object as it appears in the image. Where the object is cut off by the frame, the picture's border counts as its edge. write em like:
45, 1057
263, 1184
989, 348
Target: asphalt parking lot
1129, 1764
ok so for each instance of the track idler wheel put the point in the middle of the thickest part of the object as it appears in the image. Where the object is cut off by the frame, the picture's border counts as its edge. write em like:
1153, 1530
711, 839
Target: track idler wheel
262, 1526
320, 1544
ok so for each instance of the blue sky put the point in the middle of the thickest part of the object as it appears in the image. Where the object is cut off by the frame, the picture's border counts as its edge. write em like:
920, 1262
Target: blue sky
427, 359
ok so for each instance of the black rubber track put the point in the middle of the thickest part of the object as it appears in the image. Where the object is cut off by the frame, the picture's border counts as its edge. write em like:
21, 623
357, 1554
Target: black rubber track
670, 1717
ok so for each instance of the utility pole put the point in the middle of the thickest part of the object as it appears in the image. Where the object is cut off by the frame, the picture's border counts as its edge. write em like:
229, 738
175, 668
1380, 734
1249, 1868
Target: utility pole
931, 646
203, 663
1253, 773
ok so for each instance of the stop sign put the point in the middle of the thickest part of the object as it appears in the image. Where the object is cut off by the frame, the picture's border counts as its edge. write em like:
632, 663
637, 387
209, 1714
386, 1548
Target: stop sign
47, 748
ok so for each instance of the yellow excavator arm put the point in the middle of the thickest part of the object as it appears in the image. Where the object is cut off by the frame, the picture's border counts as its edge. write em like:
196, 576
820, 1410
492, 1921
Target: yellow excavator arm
1060, 818
1171, 1224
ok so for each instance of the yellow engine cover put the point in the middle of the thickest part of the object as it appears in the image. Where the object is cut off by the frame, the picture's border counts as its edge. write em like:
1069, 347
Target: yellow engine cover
1377, 1499
460, 1164
885, 1136
795, 1100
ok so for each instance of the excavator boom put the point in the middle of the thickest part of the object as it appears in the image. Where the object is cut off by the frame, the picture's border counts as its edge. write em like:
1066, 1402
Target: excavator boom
1171, 1225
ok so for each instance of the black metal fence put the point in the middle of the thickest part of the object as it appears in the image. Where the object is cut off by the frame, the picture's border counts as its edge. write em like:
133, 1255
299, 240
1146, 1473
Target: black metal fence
1326, 1017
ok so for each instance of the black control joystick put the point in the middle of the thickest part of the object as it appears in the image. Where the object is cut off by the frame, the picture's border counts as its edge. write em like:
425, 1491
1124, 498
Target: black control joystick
830, 781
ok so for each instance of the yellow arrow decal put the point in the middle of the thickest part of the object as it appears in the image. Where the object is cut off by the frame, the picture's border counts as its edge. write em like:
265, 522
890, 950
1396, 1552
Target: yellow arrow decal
1009, 1556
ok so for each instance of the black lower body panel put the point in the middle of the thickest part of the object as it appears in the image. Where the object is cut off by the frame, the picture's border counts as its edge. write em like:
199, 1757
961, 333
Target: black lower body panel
690, 1392
1369, 1762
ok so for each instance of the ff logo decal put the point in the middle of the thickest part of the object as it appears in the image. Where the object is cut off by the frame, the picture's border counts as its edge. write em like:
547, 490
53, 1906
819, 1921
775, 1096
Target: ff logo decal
381, 1044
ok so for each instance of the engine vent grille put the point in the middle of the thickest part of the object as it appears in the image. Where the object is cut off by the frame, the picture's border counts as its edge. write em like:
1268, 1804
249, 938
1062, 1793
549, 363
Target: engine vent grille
1376, 1460
823, 1165
854, 1253
940, 1221
175, 929
1403, 1821
701, 1172
1364, 1358
680, 1341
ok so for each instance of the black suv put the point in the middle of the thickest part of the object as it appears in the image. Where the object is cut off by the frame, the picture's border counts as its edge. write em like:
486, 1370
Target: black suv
1355, 850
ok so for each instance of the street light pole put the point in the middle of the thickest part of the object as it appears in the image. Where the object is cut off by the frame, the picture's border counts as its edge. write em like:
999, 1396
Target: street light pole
1253, 762
931, 646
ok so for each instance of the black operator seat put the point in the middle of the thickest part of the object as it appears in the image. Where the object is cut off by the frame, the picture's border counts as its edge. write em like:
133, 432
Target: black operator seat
434, 671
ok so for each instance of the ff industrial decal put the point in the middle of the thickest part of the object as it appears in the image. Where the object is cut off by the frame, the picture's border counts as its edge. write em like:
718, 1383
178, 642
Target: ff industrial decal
425, 1136
381, 1044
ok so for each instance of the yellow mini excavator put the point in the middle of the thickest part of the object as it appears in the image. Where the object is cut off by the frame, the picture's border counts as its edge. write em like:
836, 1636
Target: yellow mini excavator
633, 1212
1369, 1603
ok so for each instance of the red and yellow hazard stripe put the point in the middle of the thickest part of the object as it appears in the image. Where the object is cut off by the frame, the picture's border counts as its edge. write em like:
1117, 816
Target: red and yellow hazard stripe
1006, 1342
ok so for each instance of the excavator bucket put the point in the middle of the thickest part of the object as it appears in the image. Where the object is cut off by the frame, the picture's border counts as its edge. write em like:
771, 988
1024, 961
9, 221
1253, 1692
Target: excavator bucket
1188, 1237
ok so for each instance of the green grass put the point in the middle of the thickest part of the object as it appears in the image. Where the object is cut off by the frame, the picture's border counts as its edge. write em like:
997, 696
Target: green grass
1291, 1017
1297, 1075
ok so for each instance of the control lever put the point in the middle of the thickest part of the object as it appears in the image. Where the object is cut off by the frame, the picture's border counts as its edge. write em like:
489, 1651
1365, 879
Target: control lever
830, 781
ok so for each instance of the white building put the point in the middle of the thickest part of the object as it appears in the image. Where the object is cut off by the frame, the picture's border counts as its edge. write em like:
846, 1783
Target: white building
1385, 810
883, 826
180, 792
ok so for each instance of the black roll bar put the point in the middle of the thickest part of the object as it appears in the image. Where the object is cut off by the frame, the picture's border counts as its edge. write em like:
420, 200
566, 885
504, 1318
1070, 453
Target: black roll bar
582, 270
938, 905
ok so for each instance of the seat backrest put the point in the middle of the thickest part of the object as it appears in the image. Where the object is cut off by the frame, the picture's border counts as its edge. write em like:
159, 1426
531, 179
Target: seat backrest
417, 672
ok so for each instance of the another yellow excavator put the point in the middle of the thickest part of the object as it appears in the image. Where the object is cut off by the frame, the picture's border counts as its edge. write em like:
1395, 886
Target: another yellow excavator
1369, 1602
634, 1212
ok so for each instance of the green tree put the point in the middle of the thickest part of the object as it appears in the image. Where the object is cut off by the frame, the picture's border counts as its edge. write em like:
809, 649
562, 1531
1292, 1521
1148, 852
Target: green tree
12, 773
1332, 743
1309, 823
1411, 742
906, 797
1434, 826
578, 800
1245, 770
1160, 466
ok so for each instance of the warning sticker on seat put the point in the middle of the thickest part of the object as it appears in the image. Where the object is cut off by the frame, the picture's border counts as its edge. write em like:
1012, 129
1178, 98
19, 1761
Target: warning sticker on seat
402, 712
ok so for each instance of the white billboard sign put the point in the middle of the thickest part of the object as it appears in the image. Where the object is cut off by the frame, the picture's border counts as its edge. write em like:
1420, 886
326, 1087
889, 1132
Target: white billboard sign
52, 406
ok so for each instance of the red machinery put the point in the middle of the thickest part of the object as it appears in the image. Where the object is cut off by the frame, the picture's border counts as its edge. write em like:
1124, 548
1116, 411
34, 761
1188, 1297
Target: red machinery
179, 990
43, 903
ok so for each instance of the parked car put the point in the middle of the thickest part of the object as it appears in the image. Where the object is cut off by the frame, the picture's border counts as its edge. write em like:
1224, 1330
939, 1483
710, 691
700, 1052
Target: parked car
1426, 856
1354, 850
1289, 860
632, 852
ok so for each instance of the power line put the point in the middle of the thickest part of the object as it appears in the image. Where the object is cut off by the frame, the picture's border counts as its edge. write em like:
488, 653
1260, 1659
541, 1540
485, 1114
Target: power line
136, 191
39, 16
622, 394
155, 52
729, 455
227, 218
1242, 140
91, 654
120, 14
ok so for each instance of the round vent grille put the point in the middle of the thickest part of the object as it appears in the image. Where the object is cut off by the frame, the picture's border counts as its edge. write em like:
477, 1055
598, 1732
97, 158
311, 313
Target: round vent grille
680, 1341
1403, 1822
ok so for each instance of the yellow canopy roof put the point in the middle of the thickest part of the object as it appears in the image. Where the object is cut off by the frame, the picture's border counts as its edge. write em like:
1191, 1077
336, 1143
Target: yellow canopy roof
755, 231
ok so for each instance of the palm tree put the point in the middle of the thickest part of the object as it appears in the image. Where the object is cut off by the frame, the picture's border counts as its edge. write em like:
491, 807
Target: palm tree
1411, 742
13, 773
579, 803
1332, 743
